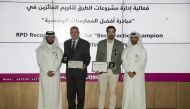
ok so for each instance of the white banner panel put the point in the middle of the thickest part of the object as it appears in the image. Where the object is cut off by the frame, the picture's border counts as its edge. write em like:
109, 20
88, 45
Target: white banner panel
164, 25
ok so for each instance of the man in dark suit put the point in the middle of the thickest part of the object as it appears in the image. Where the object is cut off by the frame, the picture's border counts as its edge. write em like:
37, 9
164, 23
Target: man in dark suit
76, 49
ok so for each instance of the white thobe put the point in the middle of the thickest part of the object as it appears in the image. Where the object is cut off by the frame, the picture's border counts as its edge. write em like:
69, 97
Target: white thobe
134, 59
49, 59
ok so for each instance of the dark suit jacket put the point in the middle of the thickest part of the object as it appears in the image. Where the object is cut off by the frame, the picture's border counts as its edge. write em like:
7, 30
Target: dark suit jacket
117, 50
82, 53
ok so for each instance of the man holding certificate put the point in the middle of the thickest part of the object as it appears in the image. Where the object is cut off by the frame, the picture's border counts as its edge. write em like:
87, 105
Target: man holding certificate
109, 51
77, 58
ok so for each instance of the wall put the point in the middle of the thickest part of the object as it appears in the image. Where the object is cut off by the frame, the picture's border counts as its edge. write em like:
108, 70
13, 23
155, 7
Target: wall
158, 95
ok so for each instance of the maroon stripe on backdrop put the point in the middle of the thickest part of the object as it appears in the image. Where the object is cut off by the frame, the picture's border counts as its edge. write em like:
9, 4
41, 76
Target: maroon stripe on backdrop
92, 77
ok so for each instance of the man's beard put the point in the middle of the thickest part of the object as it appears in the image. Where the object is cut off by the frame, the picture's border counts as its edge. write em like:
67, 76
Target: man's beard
112, 37
50, 42
133, 42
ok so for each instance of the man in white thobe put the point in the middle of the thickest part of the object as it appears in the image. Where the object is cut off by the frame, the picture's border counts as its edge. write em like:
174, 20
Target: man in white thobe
134, 61
49, 56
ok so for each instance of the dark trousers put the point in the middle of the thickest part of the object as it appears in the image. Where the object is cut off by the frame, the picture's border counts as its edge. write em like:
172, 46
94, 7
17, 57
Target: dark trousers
75, 87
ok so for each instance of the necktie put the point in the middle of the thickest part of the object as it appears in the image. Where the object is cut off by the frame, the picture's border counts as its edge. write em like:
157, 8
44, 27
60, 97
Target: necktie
73, 46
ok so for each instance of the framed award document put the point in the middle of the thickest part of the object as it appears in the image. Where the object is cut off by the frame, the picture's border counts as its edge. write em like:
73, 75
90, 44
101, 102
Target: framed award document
99, 66
75, 64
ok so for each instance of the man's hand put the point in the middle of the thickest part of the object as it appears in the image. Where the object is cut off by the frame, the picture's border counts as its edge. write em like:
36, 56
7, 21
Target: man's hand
97, 72
115, 67
84, 66
50, 73
131, 74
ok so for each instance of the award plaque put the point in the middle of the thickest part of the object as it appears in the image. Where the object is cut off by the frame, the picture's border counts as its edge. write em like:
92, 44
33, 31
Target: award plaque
65, 59
111, 65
